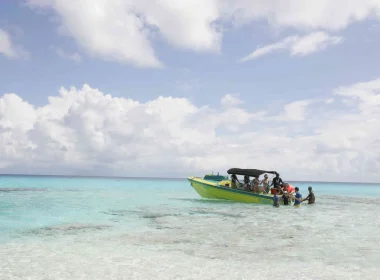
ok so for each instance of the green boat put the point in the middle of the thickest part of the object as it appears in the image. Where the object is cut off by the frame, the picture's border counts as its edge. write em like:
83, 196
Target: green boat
219, 187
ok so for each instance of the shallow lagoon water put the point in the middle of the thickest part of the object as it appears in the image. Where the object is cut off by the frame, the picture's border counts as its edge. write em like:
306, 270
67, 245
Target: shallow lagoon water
99, 228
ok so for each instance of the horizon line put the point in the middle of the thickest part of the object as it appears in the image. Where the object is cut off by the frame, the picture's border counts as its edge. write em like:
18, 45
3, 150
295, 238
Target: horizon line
162, 178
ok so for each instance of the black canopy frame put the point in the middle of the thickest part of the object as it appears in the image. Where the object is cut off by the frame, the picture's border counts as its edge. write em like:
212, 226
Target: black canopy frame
249, 172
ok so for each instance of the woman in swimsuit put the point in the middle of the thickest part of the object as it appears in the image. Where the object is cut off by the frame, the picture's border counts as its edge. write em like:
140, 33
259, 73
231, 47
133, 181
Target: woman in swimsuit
265, 183
255, 184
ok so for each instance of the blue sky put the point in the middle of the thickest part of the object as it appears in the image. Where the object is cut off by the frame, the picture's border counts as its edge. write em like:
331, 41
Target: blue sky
203, 77
209, 76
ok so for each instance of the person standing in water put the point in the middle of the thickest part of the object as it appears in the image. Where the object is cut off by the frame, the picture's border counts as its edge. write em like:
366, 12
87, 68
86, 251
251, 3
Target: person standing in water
310, 197
298, 198
285, 198
276, 199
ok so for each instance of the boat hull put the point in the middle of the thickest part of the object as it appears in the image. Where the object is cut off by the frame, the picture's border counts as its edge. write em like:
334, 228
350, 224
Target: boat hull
213, 190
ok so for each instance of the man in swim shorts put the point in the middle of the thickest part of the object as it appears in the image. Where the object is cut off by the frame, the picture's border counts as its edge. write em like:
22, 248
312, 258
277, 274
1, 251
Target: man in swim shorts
310, 197
285, 198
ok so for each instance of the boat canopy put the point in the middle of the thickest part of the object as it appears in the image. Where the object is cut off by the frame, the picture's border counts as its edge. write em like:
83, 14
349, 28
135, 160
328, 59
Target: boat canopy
249, 172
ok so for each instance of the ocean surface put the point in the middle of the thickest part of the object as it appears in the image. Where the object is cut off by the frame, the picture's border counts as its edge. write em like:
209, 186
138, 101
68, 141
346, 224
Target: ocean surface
111, 228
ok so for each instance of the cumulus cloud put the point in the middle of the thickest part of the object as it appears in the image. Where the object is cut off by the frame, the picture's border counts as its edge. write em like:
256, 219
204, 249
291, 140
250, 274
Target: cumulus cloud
85, 131
125, 30
366, 94
301, 15
294, 111
298, 45
122, 30
9, 49
231, 100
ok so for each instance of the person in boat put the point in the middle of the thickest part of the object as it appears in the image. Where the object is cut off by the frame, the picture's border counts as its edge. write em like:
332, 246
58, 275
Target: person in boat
310, 197
234, 179
255, 184
246, 185
288, 188
277, 183
298, 198
276, 199
265, 183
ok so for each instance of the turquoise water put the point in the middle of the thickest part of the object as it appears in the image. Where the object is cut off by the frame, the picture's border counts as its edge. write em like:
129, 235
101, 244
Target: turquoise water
33, 202
112, 228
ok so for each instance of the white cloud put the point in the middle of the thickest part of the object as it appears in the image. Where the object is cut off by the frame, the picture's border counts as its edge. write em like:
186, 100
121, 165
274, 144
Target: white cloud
313, 42
106, 29
298, 46
231, 100
9, 49
294, 111
366, 94
300, 14
88, 132
122, 30
76, 57
125, 30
